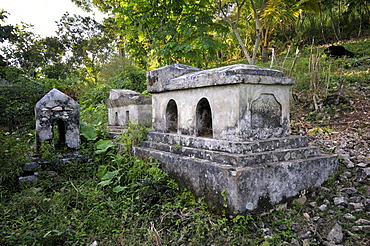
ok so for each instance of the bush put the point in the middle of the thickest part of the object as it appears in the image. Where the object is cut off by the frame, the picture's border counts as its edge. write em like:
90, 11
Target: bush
122, 74
14, 148
18, 101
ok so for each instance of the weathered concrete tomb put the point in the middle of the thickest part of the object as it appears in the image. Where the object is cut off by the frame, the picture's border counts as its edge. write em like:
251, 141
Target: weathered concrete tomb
128, 106
57, 120
224, 134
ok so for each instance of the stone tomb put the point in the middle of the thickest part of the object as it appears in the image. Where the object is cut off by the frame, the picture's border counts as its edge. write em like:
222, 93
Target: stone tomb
224, 134
54, 111
126, 105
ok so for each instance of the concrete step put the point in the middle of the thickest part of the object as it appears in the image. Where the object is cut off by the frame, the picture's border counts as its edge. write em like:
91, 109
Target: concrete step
240, 160
116, 130
291, 142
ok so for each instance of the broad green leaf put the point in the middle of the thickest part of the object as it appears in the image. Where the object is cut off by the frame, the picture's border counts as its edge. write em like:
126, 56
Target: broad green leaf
101, 171
119, 188
105, 183
103, 145
88, 132
109, 175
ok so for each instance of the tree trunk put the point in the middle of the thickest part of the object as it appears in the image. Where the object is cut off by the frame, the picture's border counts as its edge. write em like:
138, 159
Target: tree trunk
256, 16
234, 26
333, 26
121, 46
256, 43
244, 49
265, 55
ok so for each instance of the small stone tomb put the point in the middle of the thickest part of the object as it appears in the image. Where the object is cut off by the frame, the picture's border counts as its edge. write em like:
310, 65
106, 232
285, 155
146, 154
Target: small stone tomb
58, 120
223, 133
128, 106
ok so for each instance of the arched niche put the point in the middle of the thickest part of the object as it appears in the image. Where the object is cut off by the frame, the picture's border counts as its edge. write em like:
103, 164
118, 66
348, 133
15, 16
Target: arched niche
204, 119
171, 117
116, 119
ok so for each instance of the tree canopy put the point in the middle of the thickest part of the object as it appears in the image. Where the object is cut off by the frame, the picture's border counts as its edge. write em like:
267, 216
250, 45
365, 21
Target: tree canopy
160, 32
202, 33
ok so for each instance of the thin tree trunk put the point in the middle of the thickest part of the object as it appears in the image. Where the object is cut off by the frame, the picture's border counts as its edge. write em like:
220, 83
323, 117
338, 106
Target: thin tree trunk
322, 28
234, 27
244, 49
264, 48
121, 46
256, 45
256, 16
332, 25
360, 25
265, 54
338, 17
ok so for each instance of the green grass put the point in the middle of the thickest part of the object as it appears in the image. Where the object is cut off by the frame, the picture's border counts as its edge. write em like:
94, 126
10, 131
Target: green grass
332, 72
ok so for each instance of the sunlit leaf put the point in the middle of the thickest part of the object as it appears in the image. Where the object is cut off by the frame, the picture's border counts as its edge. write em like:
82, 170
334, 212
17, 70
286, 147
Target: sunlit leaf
103, 145
119, 188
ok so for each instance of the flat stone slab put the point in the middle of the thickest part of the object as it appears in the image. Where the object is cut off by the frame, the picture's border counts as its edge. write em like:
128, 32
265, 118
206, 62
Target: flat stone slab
178, 76
240, 160
30, 178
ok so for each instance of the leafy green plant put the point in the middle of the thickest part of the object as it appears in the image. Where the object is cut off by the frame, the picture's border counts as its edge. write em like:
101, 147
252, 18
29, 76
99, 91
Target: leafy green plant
18, 100
47, 151
224, 194
178, 146
321, 130
102, 146
133, 135
94, 112
88, 132
14, 147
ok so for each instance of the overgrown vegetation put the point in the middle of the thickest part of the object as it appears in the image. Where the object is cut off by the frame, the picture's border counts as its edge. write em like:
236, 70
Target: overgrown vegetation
115, 199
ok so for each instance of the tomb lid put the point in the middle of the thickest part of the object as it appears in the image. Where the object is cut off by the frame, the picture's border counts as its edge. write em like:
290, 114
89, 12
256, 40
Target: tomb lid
56, 98
158, 80
157, 76
120, 98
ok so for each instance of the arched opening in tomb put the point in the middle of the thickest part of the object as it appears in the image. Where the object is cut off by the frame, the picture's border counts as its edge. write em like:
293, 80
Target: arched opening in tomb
59, 134
171, 117
127, 116
116, 119
204, 119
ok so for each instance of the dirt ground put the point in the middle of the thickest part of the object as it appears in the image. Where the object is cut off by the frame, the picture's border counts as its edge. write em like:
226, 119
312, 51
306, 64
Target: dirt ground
342, 114
341, 127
